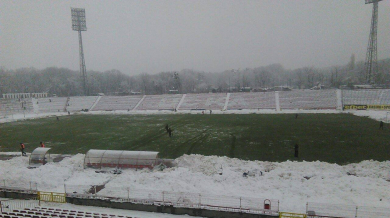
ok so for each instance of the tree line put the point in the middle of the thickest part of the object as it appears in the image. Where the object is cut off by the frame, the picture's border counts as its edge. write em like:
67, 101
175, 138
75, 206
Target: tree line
66, 82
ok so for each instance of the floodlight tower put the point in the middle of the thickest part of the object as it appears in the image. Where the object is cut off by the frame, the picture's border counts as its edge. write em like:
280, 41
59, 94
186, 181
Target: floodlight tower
371, 65
79, 24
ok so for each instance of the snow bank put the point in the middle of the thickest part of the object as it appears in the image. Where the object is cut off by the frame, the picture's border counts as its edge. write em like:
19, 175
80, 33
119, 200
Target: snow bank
376, 115
17, 117
293, 183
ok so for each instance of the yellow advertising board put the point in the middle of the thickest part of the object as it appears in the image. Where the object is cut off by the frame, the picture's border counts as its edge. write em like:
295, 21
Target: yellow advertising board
52, 197
365, 107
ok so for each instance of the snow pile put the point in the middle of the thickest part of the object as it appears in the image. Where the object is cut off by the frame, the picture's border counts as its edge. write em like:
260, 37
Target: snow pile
376, 115
16, 174
293, 183
17, 117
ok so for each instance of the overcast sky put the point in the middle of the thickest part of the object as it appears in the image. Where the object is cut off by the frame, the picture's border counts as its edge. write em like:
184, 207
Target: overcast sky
136, 36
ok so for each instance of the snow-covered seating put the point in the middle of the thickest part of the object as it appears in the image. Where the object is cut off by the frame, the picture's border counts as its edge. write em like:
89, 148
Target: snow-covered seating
55, 104
80, 103
256, 100
45, 212
160, 102
206, 101
15, 106
109, 103
308, 99
27, 104
366, 97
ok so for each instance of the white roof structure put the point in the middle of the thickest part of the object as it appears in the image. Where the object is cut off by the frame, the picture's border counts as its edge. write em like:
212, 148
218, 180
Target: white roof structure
38, 157
120, 159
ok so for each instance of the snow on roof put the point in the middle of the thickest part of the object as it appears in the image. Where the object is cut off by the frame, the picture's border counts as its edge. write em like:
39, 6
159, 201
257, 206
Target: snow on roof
38, 156
115, 158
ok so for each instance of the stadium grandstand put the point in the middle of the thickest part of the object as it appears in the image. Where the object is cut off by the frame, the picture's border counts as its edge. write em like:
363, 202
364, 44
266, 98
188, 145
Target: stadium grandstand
12, 106
46, 212
257, 100
50, 105
210, 101
111, 103
79, 103
308, 99
366, 97
283, 100
160, 102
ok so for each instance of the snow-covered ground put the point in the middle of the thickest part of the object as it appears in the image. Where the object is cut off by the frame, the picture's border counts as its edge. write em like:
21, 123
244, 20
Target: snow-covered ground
18, 117
293, 183
377, 115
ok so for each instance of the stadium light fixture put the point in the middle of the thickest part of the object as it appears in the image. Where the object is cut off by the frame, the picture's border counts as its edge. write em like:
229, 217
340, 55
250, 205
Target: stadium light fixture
372, 1
79, 22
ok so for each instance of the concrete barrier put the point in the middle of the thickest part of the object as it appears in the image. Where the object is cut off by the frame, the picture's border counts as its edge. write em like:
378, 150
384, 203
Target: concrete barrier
17, 195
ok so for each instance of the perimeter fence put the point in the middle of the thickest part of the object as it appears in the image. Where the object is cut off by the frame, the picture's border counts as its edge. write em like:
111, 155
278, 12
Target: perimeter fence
19, 186
346, 211
10, 205
177, 199
190, 200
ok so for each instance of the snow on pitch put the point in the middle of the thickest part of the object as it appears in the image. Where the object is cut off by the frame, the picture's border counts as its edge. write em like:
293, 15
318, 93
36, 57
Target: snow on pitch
376, 115
293, 183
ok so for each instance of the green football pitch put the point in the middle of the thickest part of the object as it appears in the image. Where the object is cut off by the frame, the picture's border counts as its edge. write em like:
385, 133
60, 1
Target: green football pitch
335, 138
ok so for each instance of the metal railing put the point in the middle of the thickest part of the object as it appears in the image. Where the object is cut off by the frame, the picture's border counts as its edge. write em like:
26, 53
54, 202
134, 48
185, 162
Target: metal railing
347, 211
177, 199
196, 200
19, 186
52, 197
10, 205
152, 197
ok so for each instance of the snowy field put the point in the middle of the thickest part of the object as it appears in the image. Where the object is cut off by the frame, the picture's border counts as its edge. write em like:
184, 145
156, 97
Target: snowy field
292, 183
377, 115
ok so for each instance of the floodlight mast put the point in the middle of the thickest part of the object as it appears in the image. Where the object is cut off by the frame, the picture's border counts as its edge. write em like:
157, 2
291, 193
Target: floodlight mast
371, 65
79, 24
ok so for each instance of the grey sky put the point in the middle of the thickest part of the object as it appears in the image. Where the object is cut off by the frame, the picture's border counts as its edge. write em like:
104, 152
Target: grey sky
136, 36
